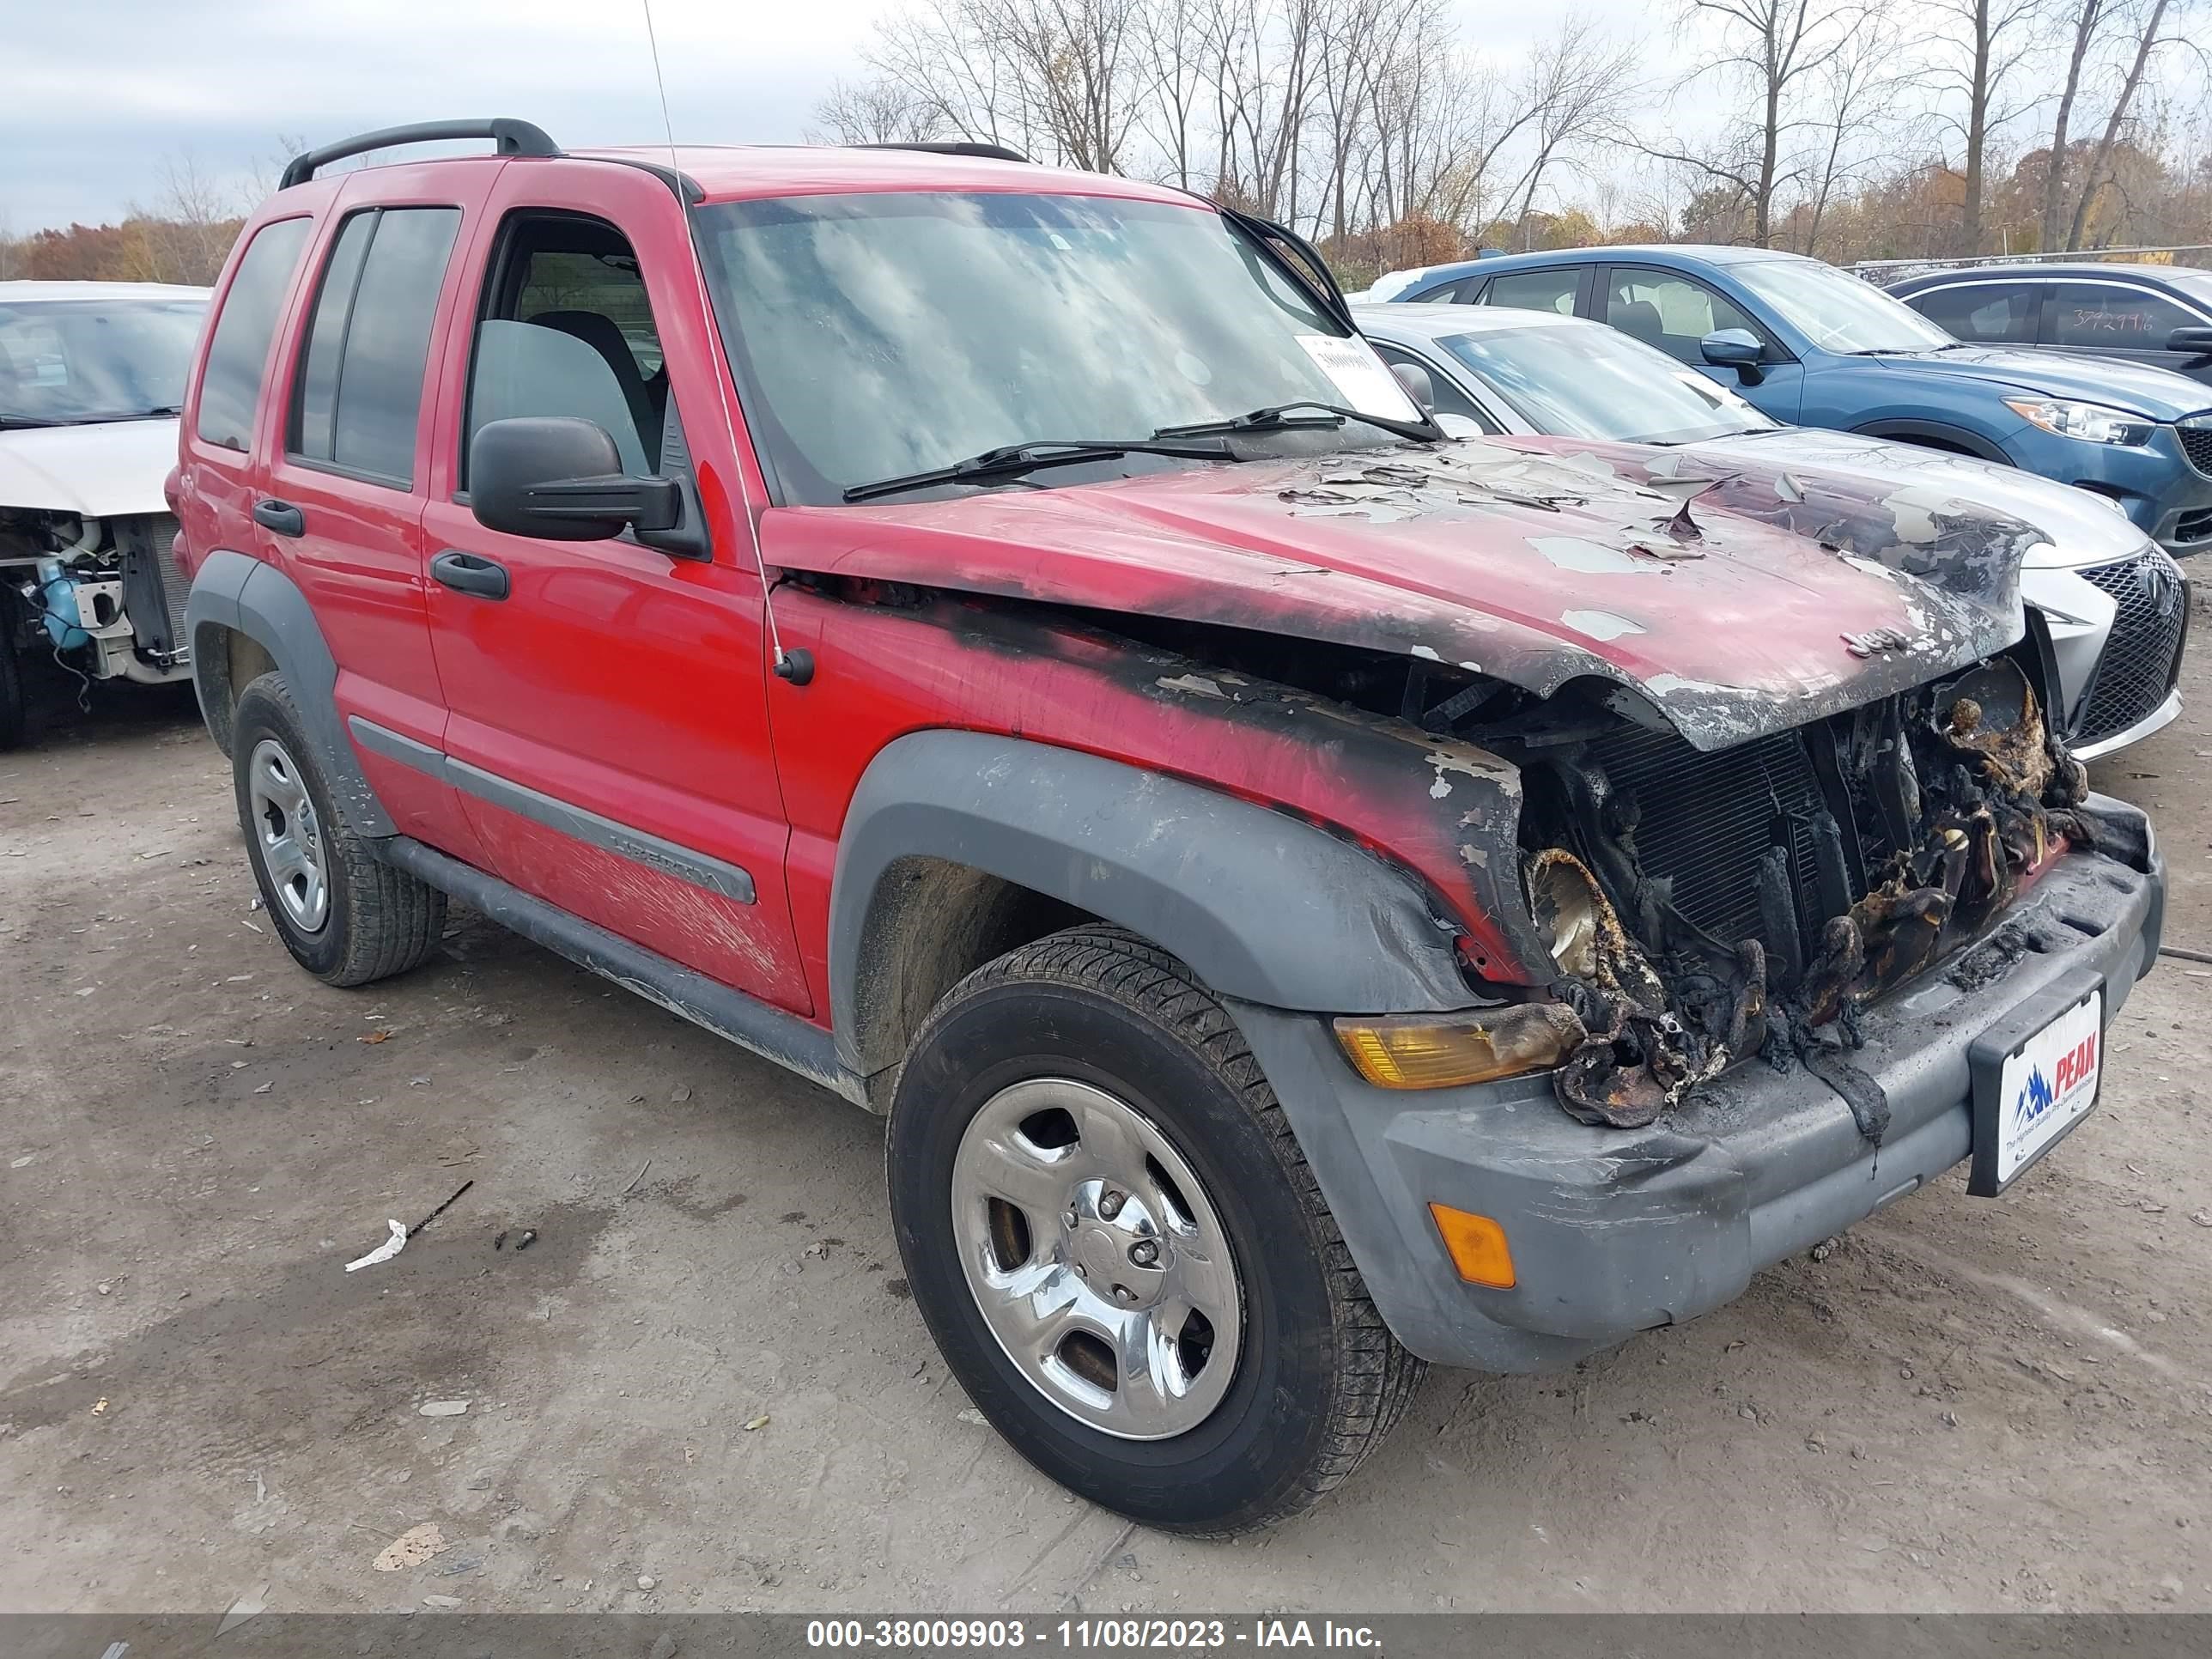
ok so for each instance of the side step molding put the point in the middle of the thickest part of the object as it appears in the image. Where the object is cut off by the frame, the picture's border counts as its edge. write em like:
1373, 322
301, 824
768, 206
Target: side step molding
750, 1023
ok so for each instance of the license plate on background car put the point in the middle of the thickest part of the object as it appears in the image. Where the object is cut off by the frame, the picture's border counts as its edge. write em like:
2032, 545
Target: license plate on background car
2035, 1077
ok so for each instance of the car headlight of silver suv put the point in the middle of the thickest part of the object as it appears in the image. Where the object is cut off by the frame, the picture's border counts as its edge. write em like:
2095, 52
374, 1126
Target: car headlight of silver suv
2091, 423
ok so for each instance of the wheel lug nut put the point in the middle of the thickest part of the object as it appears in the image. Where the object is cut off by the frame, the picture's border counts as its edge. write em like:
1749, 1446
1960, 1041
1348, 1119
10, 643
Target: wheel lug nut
1111, 1203
1067, 1220
1123, 1293
1145, 1253
1082, 1272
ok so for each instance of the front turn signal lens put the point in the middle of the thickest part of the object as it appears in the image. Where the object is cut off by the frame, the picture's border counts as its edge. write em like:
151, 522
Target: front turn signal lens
1430, 1051
1478, 1246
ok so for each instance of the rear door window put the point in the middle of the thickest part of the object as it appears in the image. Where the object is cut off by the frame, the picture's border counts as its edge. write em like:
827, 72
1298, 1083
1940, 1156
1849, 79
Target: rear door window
2109, 315
237, 350
360, 389
1670, 311
1998, 313
1551, 289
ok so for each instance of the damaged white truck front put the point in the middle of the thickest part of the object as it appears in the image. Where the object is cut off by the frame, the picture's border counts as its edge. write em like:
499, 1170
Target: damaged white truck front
91, 374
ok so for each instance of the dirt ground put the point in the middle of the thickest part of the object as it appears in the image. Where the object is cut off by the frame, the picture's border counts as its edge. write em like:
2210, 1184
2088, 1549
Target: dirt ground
705, 1376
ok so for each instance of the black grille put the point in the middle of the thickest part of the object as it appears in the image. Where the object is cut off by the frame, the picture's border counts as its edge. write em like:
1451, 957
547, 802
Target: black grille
154, 593
2197, 444
1705, 819
174, 589
2142, 654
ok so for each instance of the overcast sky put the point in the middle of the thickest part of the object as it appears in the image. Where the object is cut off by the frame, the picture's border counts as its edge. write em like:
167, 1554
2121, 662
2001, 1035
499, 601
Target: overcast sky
100, 91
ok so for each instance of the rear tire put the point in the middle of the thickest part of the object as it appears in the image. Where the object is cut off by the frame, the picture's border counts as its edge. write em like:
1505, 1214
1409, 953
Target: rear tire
346, 916
1147, 1172
14, 702
14, 719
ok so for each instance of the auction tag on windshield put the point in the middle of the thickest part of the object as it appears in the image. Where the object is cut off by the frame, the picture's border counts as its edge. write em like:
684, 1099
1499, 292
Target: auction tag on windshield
1362, 379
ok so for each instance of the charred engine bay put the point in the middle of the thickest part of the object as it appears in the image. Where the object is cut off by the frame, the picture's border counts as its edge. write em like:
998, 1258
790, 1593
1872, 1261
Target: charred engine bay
1703, 907
1708, 908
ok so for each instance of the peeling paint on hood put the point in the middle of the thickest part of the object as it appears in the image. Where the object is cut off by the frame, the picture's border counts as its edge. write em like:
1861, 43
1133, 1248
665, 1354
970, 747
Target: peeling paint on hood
1731, 601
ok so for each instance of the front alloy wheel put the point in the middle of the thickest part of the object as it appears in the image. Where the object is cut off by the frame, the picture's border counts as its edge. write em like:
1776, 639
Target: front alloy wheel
1096, 1259
1113, 1235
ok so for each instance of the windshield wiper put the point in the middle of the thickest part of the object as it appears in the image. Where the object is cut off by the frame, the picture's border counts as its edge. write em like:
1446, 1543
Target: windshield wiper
1010, 460
1279, 418
27, 421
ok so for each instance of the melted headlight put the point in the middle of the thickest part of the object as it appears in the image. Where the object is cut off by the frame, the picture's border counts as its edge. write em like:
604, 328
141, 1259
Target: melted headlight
1564, 908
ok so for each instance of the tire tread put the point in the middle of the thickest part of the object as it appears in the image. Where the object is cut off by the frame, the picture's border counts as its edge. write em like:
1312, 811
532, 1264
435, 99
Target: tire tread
1377, 1377
392, 919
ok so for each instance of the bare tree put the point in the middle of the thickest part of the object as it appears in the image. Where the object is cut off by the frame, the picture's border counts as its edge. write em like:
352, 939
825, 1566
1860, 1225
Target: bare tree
1776, 50
187, 234
1575, 86
1869, 73
875, 112
2150, 21
1985, 43
2088, 16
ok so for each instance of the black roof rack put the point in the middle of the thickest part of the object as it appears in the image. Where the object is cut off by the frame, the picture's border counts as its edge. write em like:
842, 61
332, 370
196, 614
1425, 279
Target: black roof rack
512, 137
955, 147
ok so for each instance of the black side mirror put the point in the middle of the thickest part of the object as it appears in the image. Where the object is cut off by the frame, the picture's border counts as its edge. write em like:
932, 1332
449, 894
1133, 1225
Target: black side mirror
2196, 342
1738, 349
561, 479
1419, 386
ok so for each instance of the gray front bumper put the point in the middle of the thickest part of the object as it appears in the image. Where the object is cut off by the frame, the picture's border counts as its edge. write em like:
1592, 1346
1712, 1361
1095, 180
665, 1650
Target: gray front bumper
1614, 1231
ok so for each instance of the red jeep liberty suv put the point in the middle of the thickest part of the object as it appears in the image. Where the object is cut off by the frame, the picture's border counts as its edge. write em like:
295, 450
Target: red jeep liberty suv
1311, 897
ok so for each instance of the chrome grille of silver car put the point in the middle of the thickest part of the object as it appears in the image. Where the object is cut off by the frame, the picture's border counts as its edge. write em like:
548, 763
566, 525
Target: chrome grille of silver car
2142, 654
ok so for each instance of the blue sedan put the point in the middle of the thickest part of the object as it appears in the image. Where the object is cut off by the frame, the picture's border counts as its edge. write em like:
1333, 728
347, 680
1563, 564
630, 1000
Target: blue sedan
1812, 346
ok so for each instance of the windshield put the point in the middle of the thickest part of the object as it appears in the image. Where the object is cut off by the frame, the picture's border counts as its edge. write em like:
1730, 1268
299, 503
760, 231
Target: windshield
1836, 311
879, 334
1587, 382
65, 361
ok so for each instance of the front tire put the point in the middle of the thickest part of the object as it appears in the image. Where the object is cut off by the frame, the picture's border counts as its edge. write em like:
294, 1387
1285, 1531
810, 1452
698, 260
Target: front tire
1119, 1248
346, 916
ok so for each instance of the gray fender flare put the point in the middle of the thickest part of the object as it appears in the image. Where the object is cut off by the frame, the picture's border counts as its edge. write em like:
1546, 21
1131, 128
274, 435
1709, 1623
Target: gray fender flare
232, 590
1263, 907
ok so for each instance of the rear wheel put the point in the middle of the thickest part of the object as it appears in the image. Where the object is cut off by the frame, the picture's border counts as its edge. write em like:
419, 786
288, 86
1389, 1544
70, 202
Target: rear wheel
14, 702
1120, 1248
346, 916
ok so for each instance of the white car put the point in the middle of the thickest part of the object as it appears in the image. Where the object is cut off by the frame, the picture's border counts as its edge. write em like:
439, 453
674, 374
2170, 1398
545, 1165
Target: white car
2113, 606
91, 375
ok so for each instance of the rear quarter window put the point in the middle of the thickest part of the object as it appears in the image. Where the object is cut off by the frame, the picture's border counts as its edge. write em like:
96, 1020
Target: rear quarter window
238, 348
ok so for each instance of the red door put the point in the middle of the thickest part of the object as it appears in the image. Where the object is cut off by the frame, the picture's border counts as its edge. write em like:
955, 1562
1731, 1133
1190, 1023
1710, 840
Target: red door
607, 713
343, 488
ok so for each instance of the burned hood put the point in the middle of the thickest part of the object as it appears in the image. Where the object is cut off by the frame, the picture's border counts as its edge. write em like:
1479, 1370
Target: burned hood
1736, 604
